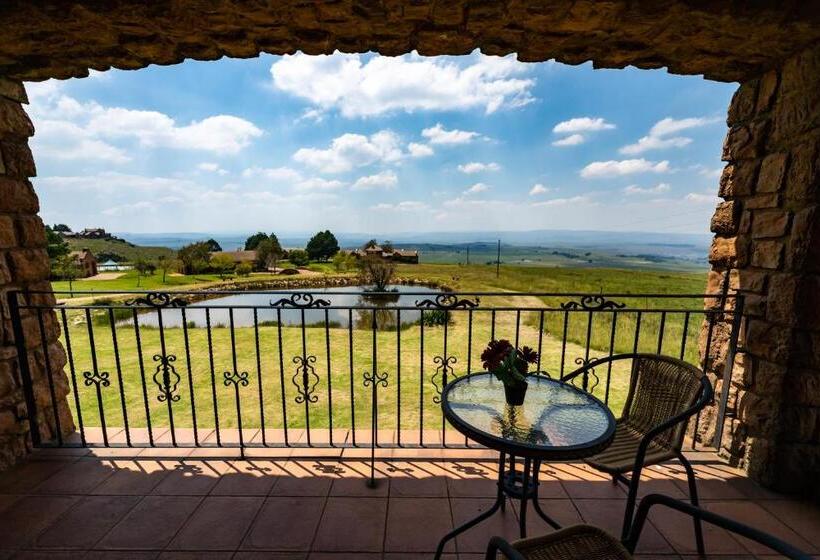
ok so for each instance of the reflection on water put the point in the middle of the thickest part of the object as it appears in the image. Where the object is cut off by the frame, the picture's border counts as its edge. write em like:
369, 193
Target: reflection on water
245, 304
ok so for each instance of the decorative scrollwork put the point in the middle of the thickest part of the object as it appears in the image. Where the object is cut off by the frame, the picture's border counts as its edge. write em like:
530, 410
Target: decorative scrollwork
306, 373
588, 372
157, 299
375, 378
236, 378
166, 377
444, 369
447, 301
592, 303
96, 378
300, 301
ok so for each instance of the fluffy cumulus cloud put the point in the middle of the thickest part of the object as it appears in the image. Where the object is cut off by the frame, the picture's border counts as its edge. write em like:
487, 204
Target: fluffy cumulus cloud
660, 188
85, 130
383, 180
440, 135
211, 167
538, 188
617, 168
350, 151
478, 167
578, 128
477, 188
580, 199
663, 134
318, 184
274, 174
417, 150
364, 86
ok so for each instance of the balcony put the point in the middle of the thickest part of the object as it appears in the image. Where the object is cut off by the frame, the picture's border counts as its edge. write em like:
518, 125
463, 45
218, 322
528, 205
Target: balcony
296, 424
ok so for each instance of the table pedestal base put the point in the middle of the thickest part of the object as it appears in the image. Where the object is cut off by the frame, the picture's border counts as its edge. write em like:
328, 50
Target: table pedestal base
521, 485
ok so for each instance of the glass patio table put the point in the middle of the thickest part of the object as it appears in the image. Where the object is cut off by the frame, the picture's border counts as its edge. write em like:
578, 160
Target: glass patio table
557, 422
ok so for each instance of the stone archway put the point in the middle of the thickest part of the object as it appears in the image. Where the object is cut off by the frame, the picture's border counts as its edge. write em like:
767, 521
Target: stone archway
767, 229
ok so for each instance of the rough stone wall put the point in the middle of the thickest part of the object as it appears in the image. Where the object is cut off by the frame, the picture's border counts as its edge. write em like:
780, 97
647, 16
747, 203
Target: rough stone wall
24, 264
767, 230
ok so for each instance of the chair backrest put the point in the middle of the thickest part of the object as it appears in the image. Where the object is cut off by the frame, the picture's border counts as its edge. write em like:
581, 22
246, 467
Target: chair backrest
660, 388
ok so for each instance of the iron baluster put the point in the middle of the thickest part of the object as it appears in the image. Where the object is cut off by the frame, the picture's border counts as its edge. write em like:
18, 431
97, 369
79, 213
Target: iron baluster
95, 376
190, 374
50, 375
70, 354
141, 361
112, 322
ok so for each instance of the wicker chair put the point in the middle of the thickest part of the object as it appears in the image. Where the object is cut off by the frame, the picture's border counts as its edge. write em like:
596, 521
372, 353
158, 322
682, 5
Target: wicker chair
585, 542
664, 393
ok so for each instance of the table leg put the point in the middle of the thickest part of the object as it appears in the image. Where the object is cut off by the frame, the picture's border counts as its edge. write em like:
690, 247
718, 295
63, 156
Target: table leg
500, 499
525, 493
535, 504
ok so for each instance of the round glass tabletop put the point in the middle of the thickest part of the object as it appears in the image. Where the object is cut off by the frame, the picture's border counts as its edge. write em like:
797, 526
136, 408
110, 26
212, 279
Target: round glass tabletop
556, 421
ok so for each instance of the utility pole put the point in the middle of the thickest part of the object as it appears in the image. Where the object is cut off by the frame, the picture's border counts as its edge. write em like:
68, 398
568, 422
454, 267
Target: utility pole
498, 260
468, 254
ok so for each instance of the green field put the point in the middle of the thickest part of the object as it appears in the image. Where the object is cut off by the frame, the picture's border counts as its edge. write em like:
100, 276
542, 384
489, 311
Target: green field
408, 388
128, 250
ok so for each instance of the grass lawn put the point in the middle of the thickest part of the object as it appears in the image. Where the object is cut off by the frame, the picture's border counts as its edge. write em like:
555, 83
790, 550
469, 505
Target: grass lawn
409, 388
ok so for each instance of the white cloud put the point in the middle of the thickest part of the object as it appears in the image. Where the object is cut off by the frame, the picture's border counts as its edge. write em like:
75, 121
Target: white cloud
582, 124
477, 188
702, 198
711, 172
581, 199
614, 168
211, 167
571, 140
86, 127
383, 180
359, 86
657, 189
349, 151
659, 136
478, 167
538, 188
404, 206
417, 150
313, 115
439, 135
278, 174
318, 184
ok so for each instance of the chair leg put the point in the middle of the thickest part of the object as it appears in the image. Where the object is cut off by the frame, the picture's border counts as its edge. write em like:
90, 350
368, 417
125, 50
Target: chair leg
631, 498
693, 497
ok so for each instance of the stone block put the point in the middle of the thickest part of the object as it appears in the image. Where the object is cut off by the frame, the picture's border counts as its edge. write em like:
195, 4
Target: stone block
767, 254
29, 265
803, 247
782, 304
17, 159
743, 142
752, 281
769, 223
7, 236
772, 171
803, 174
13, 90
13, 120
738, 179
760, 415
742, 106
768, 200
728, 252
801, 424
803, 387
768, 341
766, 91
17, 196
725, 220
31, 231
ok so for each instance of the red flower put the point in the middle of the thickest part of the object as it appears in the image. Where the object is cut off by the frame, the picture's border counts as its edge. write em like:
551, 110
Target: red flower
495, 353
529, 355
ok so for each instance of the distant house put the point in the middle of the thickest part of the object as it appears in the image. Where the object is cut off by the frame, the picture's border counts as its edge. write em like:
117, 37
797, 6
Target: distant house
397, 255
112, 266
238, 257
85, 261
88, 233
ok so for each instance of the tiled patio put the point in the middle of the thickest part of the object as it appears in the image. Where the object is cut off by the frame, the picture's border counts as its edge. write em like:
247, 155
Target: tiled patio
152, 505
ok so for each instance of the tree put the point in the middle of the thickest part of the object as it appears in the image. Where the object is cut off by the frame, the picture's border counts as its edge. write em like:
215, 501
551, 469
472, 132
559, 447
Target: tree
322, 246
377, 272
66, 268
110, 256
213, 246
387, 246
223, 265
144, 267
61, 228
268, 252
298, 257
343, 262
56, 246
371, 243
194, 257
165, 264
253, 241
244, 269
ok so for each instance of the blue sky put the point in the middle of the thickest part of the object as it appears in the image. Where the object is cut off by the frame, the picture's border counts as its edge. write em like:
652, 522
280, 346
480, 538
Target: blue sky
363, 143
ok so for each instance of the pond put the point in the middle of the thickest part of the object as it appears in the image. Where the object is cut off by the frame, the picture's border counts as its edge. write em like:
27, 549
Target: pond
243, 306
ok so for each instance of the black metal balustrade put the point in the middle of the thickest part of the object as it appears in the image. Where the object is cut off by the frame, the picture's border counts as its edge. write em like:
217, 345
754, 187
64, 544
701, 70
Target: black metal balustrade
184, 370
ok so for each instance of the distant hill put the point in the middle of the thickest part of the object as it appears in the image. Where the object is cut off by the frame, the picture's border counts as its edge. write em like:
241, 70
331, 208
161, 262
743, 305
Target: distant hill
127, 250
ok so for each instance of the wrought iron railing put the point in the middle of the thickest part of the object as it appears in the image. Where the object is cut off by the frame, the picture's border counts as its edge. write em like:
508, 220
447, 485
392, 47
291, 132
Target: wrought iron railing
317, 369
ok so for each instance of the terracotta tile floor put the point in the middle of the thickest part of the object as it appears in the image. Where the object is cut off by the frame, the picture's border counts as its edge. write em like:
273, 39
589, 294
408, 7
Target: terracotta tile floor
79, 504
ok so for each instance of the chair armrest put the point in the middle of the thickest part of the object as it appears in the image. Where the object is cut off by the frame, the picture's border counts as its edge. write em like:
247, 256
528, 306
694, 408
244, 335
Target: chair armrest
730, 525
496, 544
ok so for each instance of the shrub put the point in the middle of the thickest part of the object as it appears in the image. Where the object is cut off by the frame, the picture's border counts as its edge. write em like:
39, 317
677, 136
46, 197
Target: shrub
244, 269
298, 257
437, 318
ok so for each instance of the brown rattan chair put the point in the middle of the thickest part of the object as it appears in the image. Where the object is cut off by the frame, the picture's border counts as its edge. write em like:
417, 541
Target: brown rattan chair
585, 542
664, 393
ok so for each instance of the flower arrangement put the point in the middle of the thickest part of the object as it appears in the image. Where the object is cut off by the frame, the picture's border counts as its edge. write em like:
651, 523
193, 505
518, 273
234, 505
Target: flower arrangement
510, 366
